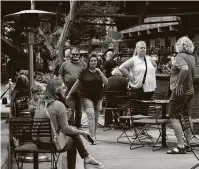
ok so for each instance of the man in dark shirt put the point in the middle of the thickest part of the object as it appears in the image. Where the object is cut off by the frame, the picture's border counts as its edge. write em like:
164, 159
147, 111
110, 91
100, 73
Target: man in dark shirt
109, 64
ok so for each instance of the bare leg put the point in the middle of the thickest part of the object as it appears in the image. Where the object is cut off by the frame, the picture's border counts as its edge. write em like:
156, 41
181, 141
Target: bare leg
96, 121
178, 131
91, 121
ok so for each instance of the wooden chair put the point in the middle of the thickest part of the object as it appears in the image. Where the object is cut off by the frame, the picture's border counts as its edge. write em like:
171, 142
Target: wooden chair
148, 109
22, 132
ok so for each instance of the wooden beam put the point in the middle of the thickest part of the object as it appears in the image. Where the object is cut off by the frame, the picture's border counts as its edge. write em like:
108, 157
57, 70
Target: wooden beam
135, 15
106, 15
173, 14
113, 24
95, 23
155, 22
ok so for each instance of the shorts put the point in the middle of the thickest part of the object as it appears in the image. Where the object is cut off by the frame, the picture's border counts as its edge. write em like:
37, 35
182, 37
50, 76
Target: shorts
88, 103
180, 105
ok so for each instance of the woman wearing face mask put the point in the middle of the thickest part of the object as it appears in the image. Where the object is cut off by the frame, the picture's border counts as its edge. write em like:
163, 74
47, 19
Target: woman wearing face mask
91, 82
140, 71
58, 114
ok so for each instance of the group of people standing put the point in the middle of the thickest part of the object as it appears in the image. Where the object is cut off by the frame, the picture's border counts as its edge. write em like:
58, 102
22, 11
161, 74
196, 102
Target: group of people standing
81, 84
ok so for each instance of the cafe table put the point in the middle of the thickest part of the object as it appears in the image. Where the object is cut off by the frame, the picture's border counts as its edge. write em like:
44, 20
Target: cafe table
164, 104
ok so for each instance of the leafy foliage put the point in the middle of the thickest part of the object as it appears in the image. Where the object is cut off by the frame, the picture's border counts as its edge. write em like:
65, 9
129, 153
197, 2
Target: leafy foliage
49, 31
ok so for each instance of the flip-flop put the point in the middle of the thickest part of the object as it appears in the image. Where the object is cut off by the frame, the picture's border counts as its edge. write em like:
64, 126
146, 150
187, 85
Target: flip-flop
177, 150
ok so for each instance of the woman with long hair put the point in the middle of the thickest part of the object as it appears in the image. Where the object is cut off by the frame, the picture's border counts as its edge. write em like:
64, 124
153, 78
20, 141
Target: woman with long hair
140, 71
59, 118
21, 89
91, 82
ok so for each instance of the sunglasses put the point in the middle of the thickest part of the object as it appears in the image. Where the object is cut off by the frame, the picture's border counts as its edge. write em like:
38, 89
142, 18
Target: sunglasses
75, 54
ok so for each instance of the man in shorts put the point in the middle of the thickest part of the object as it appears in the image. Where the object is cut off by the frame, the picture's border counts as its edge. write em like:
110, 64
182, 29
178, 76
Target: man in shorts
181, 85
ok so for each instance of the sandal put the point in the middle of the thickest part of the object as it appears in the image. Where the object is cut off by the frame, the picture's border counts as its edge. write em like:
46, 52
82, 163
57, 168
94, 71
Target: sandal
177, 150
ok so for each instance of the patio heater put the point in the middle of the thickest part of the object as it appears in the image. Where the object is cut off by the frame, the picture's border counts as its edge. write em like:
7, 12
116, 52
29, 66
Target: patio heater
29, 19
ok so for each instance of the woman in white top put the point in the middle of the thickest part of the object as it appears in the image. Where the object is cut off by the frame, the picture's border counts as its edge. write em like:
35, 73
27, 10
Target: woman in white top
134, 69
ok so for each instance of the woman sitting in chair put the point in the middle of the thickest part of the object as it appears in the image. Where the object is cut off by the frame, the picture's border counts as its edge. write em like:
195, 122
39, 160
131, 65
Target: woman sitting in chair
21, 90
58, 114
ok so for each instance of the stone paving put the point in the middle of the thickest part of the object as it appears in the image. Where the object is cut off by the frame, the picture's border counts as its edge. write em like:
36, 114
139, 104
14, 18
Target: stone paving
112, 154
118, 156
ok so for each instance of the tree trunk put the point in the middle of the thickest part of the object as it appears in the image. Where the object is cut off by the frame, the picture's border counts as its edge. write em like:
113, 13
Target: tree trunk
68, 23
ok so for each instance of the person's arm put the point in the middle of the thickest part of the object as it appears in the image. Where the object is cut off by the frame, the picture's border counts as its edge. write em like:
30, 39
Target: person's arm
182, 76
104, 79
63, 122
182, 65
124, 69
31, 106
74, 88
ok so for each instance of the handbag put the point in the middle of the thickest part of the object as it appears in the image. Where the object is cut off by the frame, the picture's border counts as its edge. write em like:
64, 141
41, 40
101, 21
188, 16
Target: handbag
59, 138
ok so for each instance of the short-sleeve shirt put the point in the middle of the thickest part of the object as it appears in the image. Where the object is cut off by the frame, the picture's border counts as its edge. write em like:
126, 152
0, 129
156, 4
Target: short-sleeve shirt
70, 72
91, 85
137, 68
181, 60
117, 83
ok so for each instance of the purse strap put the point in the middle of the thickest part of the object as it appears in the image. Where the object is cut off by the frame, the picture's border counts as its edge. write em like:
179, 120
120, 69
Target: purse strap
145, 71
52, 125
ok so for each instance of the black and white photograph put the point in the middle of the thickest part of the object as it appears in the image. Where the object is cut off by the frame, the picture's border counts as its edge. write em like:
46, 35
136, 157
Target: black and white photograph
88, 84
